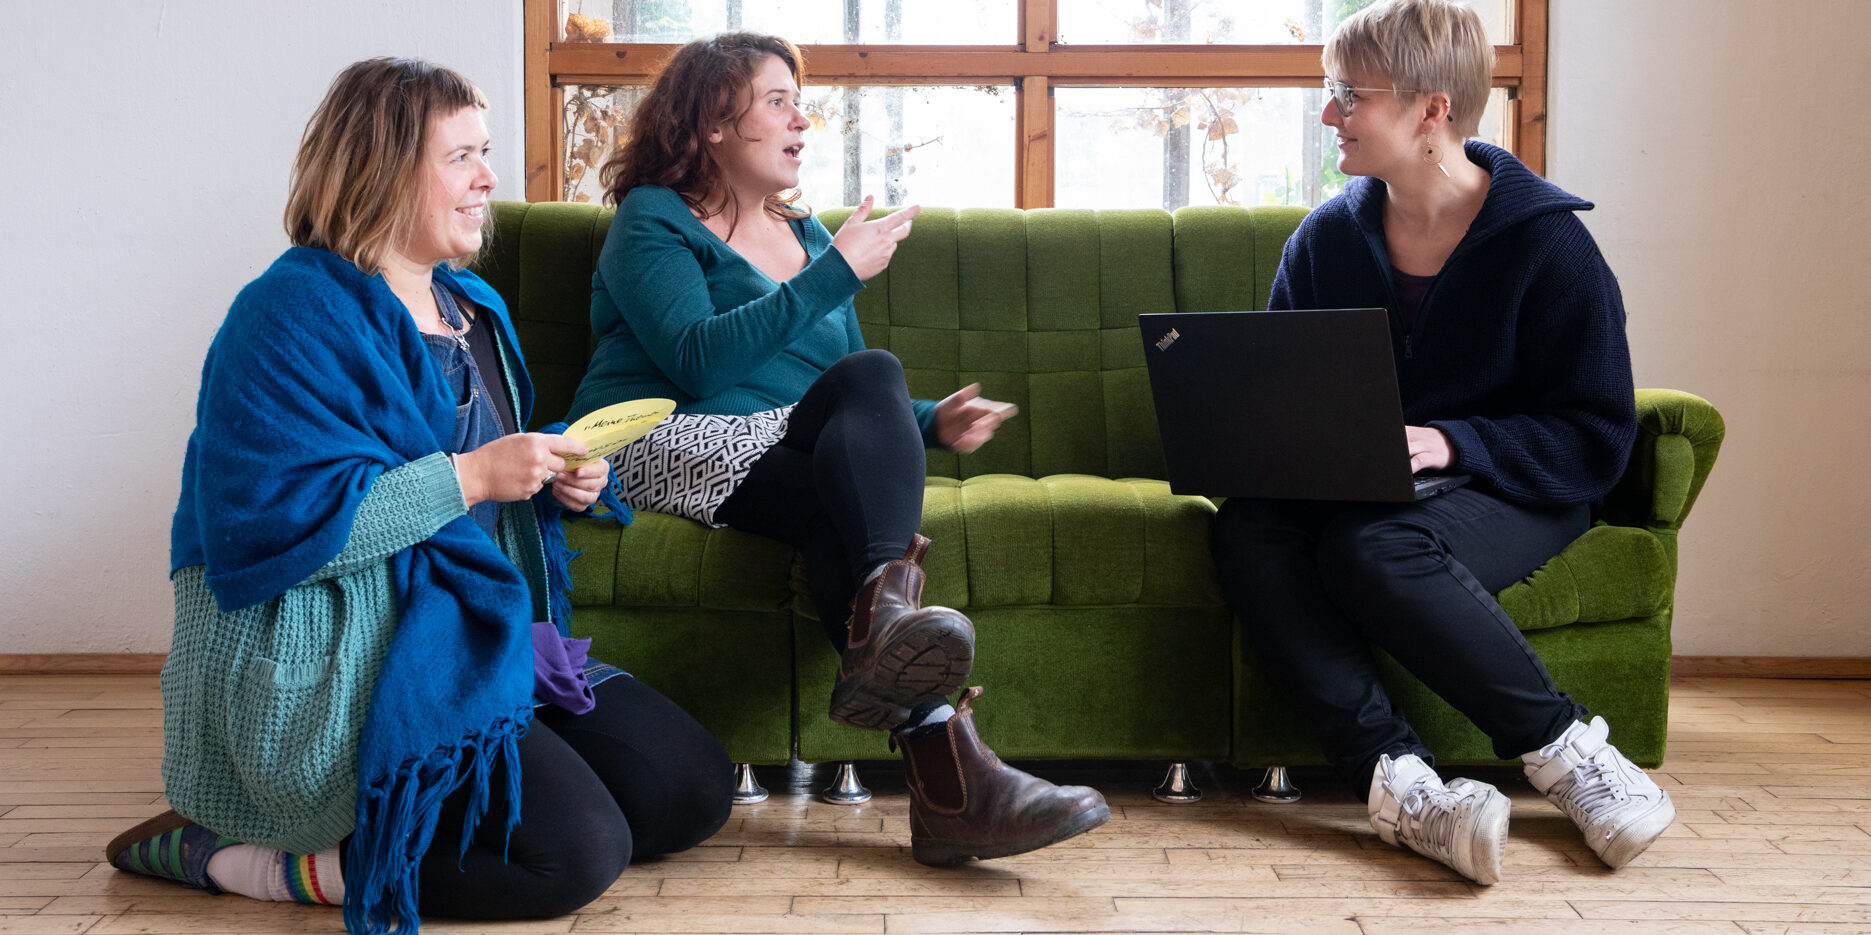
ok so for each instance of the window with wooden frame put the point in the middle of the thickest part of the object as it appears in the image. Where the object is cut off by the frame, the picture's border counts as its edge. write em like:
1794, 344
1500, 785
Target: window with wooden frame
1021, 103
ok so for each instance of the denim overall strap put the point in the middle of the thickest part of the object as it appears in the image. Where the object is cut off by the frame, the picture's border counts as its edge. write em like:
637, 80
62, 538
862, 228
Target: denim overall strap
476, 422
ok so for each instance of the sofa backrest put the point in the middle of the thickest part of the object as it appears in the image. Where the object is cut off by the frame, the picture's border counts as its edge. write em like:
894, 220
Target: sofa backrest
1038, 306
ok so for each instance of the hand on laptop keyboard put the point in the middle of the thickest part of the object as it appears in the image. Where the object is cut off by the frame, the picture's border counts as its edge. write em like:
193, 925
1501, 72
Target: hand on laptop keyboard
1429, 448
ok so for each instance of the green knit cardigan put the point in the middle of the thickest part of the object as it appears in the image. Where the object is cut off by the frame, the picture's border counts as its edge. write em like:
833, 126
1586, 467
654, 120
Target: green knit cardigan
263, 707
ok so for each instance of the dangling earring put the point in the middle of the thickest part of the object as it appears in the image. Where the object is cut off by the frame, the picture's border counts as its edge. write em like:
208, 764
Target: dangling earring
1432, 156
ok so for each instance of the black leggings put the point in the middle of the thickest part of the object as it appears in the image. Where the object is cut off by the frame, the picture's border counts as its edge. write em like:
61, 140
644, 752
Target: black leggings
1317, 584
634, 777
844, 486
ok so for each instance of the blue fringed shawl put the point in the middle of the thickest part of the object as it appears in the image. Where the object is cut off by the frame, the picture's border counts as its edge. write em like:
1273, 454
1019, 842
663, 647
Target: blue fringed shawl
317, 383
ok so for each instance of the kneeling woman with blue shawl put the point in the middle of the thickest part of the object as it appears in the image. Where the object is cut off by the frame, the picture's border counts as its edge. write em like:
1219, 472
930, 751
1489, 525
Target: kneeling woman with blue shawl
359, 708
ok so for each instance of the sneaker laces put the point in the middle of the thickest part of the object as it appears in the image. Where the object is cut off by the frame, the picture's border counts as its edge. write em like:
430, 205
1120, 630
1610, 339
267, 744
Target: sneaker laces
1596, 781
1432, 813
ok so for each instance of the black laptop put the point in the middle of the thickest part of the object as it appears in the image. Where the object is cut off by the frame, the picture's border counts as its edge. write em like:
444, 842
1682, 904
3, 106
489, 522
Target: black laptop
1290, 405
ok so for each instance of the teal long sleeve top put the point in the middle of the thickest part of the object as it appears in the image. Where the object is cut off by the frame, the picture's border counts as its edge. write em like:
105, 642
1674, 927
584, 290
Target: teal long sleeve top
679, 314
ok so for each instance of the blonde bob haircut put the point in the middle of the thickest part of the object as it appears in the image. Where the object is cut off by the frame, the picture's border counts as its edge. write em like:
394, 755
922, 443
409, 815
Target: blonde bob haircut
356, 182
1425, 45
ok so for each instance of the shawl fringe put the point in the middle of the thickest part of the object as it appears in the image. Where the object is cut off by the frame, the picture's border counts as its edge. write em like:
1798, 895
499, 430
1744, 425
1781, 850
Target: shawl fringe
397, 815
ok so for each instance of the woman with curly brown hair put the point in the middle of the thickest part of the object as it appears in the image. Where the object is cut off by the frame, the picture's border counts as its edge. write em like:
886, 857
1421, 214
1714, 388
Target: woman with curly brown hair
715, 291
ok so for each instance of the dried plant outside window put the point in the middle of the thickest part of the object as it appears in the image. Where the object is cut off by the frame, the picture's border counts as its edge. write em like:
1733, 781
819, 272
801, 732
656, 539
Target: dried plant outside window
1173, 112
1211, 112
594, 122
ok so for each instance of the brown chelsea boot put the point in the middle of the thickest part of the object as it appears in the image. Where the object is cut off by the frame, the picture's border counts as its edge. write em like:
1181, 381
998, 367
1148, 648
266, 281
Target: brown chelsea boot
899, 653
965, 803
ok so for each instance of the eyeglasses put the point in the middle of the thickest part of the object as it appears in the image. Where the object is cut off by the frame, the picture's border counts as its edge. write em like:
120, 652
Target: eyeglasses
1341, 94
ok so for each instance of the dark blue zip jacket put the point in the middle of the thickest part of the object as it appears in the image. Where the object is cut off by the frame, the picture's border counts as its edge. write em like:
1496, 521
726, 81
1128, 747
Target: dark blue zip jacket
1518, 353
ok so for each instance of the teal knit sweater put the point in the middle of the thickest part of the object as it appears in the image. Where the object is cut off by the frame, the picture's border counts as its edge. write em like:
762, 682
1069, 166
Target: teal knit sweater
679, 314
263, 706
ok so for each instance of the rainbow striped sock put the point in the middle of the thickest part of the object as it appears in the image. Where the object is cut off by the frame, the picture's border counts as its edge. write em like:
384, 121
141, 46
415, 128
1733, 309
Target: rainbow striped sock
269, 874
313, 878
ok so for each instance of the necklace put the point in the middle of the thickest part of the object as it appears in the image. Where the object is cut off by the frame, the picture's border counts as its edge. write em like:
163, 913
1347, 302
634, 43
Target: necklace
448, 314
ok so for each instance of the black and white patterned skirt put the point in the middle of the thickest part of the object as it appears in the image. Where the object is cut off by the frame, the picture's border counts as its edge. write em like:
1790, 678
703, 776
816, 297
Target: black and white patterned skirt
688, 465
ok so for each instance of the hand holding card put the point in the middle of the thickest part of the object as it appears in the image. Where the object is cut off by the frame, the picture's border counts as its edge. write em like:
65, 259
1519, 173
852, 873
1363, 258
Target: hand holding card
615, 426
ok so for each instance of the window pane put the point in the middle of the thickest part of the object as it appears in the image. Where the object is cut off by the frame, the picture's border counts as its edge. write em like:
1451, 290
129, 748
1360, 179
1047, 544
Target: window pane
1171, 147
923, 22
593, 119
923, 145
1245, 22
909, 145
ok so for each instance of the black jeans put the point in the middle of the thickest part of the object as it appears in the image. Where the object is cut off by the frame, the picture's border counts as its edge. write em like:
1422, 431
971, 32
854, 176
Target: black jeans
1316, 584
636, 777
845, 484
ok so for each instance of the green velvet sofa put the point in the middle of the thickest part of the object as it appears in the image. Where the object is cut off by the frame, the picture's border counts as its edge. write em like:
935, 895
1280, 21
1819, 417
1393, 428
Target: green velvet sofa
1101, 630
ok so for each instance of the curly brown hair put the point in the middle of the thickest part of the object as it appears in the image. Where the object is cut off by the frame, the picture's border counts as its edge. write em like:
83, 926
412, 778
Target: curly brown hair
699, 88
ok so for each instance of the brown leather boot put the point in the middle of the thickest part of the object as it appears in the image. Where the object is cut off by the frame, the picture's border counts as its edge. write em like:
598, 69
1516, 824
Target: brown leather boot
965, 803
898, 652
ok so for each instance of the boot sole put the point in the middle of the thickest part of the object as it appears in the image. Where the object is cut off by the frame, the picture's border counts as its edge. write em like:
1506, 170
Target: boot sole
948, 854
926, 663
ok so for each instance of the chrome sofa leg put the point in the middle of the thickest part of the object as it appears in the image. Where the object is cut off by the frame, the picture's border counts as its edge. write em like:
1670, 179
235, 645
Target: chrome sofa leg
1275, 787
1177, 787
747, 789
845, 788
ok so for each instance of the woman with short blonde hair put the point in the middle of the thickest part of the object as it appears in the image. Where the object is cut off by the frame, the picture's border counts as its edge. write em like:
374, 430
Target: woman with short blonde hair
1430, 46
357, 175
367, 658
1507, 330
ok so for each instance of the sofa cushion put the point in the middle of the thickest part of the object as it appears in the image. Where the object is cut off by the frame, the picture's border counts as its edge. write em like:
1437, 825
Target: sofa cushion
1002, 540
669, 561
1039, 307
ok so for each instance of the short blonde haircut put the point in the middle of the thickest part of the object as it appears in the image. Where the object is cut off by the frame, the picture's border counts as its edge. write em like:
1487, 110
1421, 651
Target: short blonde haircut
355, 182
1423, 45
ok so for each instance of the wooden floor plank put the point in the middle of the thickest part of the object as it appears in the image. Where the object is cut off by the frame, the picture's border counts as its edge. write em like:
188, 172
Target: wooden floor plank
46, 925
1771, 778
1446, 926
1855, 912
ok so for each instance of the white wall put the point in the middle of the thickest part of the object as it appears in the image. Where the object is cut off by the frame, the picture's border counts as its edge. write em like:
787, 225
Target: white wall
144, 169
1727, 147
1726, 144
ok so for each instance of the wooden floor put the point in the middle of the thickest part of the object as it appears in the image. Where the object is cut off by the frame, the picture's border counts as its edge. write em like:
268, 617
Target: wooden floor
1772, 783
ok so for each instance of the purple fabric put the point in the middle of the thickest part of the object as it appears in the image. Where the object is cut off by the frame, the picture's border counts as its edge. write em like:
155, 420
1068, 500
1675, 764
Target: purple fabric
559, 669
1410, 293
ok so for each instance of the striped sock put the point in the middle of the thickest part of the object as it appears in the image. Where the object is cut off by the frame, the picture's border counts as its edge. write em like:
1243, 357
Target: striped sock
274, 875
181, 854
313, 878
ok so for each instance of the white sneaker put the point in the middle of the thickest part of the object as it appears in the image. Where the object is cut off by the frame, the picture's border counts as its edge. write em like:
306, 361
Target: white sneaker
1462, 825
1616, 804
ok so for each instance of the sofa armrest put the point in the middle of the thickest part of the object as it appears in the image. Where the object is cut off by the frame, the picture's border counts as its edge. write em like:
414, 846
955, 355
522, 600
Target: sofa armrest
1678, 436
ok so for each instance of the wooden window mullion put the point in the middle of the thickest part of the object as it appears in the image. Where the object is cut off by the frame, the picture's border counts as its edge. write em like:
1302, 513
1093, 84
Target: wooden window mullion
544, 163
1033, 108
1033, 138
1529, 112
